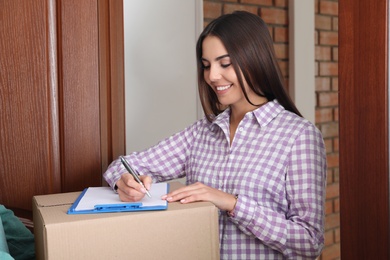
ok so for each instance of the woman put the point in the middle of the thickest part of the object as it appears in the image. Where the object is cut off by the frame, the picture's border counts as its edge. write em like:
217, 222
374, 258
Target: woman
253, 155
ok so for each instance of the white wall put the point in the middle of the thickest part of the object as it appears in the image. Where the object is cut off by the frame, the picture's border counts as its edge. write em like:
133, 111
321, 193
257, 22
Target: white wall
302, 58
160, 68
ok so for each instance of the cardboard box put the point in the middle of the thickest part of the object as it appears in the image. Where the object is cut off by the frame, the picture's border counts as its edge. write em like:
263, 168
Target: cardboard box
181, 232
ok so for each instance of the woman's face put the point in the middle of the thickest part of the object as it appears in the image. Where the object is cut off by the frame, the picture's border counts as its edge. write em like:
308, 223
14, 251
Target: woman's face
219, 74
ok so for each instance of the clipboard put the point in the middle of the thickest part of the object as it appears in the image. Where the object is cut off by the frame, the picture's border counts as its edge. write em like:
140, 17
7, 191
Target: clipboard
94, 200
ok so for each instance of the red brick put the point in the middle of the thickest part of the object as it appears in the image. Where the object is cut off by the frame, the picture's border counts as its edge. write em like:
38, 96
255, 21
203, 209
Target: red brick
283, 67
329, 7
230, 8
257, 2
274, 16
281, 50
332, 191
335, 84
323, 115
333, 160
331, 252
329, 237
329, 176
335, 23
332, 221
328, 146
335, 53
323, 53
328, 38
281, 3
335, 144
271, 32
337, 235
322, 83
316, 68
330, 130
328, 207
280, 34
336, 174
326, 99
323, 22
211, 9
328, 69
336, 205
336, 114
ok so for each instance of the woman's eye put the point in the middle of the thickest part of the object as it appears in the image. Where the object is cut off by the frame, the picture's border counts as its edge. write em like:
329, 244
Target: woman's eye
205, 67
225, 65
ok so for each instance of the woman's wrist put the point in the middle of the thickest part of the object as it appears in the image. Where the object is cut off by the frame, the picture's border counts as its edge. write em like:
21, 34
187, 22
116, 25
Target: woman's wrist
230, 213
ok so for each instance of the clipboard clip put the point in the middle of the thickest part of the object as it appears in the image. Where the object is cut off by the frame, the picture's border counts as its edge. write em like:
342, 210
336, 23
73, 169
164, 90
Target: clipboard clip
118, 207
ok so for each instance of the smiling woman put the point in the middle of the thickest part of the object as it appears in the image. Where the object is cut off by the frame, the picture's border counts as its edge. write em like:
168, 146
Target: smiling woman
268, 178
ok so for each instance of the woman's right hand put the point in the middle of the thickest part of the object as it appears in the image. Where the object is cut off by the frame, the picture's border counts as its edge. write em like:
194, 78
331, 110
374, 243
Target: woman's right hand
130, 190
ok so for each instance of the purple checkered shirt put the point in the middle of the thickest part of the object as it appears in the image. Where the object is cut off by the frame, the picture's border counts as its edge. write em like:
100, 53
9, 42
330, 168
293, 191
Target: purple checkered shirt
277, 165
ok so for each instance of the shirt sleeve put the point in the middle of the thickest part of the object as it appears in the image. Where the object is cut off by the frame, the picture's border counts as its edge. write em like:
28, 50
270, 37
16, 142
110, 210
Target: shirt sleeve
164, 161
299, 232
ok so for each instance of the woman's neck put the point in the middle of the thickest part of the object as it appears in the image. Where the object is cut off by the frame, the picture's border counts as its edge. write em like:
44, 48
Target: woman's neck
237, 112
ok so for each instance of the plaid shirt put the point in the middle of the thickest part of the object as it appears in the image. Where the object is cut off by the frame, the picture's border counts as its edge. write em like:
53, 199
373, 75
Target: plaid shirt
277, 166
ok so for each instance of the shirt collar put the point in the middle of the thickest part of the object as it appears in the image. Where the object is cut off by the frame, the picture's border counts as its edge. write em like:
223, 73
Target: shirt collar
264, 114
267, 112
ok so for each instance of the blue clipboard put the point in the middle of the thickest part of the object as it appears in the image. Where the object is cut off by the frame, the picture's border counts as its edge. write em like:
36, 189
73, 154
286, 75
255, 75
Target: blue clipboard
94, 200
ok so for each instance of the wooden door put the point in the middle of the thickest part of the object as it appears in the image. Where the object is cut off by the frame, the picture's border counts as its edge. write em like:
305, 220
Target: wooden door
364, 142
61, 96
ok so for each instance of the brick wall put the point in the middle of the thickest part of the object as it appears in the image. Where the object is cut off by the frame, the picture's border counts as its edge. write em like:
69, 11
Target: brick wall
275, 14
326, 57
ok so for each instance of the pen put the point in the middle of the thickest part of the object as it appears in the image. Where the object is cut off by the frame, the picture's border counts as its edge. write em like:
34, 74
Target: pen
133, 173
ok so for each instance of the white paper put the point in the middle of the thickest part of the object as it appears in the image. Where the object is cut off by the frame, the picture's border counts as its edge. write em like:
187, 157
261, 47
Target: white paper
105, 195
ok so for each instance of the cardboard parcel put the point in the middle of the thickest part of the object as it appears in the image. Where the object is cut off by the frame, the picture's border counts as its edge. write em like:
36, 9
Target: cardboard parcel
183, 231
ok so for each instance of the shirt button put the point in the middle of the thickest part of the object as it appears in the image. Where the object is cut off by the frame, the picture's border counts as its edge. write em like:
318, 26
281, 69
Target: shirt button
241, 129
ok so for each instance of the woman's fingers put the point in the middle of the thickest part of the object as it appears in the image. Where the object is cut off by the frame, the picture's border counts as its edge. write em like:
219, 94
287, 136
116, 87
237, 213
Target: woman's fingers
201, 192
129, 189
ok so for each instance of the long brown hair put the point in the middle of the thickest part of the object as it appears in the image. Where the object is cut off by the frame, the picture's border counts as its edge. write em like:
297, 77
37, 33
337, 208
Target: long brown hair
250, 47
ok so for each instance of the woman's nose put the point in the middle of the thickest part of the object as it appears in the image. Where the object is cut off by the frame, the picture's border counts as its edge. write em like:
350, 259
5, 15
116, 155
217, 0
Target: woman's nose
214, 73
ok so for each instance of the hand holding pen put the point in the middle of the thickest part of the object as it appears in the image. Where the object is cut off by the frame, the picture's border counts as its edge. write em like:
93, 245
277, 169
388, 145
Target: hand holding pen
129, 187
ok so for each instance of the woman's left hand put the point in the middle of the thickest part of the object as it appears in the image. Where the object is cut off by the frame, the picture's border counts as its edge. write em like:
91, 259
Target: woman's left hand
200, 192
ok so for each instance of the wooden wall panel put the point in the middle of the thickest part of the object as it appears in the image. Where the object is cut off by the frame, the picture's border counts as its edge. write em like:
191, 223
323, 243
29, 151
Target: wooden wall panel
364, 142
61, 96
111, 58
79, 94
117, 82
29, 141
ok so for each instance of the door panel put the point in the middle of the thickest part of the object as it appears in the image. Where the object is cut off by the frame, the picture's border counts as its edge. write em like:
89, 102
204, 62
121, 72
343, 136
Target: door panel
29, 141
79, 94
61, 96
363, 106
